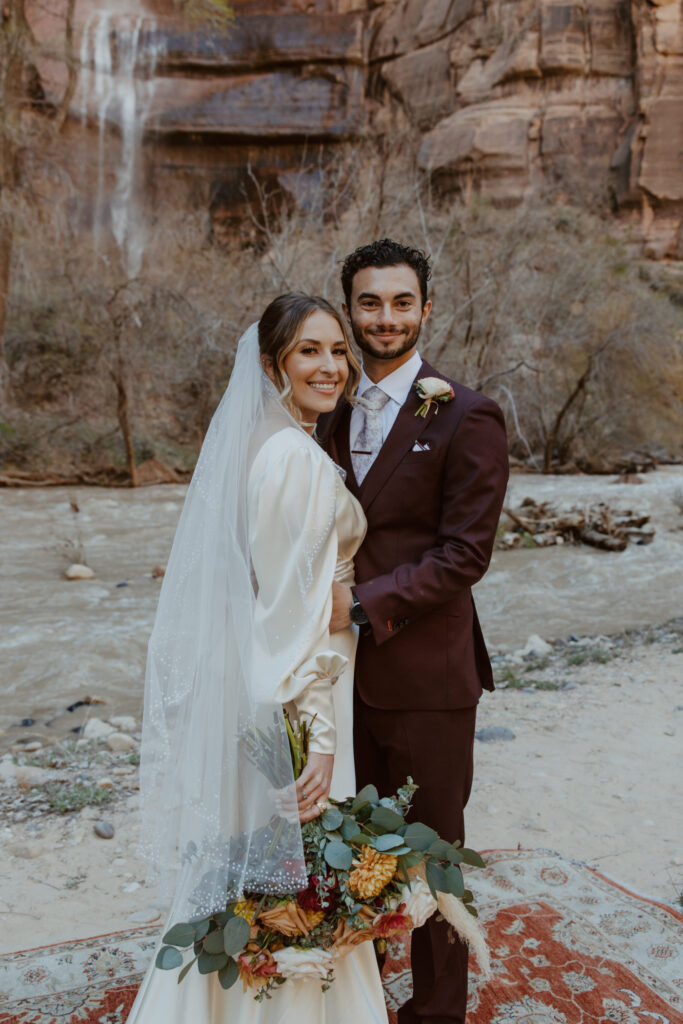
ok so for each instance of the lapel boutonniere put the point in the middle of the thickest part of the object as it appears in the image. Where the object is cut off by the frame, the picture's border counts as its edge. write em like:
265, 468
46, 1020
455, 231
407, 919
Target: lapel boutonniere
432, 389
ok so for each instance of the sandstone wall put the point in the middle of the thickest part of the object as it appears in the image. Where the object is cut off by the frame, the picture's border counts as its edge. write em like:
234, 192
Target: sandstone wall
504, 97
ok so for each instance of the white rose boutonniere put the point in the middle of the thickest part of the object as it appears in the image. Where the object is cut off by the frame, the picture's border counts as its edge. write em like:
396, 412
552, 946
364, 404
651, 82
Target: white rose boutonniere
432, 389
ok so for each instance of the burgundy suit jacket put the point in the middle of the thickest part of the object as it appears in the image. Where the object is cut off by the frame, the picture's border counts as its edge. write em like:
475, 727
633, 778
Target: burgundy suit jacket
432, 499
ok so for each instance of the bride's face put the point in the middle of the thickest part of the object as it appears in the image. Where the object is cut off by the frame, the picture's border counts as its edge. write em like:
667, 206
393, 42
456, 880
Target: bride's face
317, 366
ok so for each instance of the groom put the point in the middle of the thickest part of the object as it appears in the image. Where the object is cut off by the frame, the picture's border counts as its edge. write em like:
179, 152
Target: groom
432, 488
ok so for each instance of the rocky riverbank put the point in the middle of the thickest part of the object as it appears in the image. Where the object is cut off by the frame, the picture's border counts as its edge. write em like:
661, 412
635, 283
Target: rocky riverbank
576, 751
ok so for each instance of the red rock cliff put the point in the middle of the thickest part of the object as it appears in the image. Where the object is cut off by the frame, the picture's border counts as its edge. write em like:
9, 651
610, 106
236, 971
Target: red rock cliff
507, 96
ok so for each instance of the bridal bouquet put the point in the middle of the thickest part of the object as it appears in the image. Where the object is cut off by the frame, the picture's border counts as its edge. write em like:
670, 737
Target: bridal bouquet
371, 876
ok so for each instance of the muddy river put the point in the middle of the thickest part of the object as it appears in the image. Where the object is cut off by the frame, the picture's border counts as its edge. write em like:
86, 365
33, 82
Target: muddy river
62, 641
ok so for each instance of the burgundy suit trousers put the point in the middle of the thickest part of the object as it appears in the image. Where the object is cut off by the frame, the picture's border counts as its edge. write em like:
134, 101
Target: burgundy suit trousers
436, 749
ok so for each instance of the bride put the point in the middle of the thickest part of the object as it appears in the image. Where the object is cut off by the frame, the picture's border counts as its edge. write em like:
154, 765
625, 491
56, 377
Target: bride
242, 631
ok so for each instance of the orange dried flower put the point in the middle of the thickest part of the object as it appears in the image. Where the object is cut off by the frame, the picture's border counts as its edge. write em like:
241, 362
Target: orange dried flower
373, 871
291, 919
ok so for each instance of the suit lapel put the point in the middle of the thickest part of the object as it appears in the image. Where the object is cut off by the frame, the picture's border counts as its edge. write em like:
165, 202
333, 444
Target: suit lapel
340, 448
401, 438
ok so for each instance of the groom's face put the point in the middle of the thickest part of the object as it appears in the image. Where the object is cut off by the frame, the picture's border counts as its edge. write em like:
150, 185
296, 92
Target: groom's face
386, 311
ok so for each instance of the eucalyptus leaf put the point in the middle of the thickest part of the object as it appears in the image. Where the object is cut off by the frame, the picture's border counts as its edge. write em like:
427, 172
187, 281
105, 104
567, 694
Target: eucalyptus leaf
186, 968
349, 827
332, 819
235, 935
454, 880
418, 836
407, 860
472, 858
404, 849
213, 943
388, 842
168, 958
436, 878
201, 928
440, 849
208, 963
225, 915
471, 910
368, 794
228, 975
339, 856
455, 856
180, 935
386, 818
362, 837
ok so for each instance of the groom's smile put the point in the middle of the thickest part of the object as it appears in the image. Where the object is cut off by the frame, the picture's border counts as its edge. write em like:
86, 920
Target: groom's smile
386, 314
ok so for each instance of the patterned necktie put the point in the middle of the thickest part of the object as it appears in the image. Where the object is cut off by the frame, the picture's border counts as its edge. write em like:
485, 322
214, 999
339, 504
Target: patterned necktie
369, 441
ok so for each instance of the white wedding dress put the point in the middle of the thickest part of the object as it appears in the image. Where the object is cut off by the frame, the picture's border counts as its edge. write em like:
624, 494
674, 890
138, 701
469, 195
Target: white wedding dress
293, 481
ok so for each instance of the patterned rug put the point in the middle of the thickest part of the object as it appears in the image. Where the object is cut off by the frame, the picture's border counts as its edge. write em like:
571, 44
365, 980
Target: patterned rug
568, 946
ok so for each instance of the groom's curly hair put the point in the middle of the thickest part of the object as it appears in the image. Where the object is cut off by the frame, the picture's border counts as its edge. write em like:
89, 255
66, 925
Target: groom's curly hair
385, 253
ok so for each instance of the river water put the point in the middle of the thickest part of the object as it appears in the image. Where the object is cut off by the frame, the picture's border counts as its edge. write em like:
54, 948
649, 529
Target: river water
63, 641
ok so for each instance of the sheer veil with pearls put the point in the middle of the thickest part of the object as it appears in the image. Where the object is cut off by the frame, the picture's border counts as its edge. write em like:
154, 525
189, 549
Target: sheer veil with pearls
216, 778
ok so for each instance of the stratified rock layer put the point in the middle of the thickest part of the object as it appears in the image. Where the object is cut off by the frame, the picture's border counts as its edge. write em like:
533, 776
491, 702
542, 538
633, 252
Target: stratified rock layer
508, 97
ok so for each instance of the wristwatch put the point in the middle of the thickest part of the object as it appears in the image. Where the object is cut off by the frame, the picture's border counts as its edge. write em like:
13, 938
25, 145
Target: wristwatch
356, 613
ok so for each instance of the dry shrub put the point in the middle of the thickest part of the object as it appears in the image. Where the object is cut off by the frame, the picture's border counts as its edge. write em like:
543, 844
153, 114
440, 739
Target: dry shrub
538, 306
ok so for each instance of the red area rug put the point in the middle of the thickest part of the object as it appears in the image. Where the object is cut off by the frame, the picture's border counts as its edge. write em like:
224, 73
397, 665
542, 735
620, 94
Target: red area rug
568, 946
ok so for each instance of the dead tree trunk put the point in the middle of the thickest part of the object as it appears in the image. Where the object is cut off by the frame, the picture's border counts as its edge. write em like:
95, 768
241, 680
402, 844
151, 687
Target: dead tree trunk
123, 416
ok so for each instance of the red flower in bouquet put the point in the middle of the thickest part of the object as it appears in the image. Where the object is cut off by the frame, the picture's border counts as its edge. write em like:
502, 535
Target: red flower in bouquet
310, 899
255, 966
392, 923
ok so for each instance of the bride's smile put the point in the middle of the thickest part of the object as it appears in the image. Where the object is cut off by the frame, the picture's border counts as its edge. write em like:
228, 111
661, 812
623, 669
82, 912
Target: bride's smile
317, 367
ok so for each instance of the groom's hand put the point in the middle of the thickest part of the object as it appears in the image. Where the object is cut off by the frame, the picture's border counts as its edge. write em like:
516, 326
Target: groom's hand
342, 599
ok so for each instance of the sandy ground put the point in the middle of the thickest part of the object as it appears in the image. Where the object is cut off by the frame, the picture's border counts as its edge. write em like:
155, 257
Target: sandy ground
591, 769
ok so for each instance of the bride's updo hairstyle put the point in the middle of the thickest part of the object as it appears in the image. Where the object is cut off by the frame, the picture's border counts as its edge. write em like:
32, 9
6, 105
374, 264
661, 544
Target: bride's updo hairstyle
279, 331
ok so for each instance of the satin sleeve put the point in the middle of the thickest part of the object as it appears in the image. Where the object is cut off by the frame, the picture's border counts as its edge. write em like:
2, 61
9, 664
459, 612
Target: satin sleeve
292, 499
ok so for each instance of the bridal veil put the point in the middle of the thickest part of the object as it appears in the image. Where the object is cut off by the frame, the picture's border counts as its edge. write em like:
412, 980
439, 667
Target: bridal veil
217, 789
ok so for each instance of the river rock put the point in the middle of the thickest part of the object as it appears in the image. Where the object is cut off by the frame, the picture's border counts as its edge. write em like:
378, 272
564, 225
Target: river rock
96, 729
120, 741
536, 647
79, 572
492, 733
124, 722
105, 783
27, 850
104, 829
25, 775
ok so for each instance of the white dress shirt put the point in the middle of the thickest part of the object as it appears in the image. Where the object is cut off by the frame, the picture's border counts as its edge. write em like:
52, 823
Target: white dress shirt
397, 386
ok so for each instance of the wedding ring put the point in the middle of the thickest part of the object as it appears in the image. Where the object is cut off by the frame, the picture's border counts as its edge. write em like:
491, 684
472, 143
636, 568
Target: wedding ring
304, 793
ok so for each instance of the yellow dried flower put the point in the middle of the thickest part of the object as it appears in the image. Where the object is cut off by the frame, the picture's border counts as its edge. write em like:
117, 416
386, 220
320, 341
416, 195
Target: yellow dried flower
245, 909
373, 871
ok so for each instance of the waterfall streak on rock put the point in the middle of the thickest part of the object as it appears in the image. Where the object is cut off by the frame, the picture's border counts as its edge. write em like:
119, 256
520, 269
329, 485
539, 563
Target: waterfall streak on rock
119, 55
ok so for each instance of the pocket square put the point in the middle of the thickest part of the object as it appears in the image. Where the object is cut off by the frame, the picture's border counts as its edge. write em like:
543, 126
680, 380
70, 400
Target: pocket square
417, 447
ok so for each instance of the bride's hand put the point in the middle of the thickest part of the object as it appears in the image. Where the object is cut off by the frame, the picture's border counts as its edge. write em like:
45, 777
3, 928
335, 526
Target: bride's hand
313, 785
